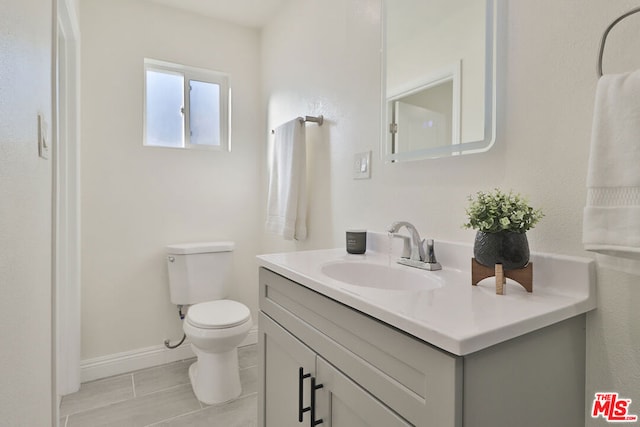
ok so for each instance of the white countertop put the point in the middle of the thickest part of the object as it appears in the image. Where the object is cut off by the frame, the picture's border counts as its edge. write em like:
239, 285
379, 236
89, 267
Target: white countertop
455, 316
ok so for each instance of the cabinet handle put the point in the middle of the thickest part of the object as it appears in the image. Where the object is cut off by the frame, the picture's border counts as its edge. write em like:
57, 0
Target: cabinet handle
314, 387
301, 410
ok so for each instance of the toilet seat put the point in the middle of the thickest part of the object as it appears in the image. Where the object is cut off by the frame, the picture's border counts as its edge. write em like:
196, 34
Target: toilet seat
219, 314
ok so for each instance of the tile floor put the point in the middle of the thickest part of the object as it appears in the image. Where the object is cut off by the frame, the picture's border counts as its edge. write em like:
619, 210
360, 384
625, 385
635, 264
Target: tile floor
160, 396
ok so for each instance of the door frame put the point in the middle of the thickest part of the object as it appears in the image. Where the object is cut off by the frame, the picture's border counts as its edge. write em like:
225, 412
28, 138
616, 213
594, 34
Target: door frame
66, 200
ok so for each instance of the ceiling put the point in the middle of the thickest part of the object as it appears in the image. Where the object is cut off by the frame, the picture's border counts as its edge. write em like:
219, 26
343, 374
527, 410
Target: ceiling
252, 13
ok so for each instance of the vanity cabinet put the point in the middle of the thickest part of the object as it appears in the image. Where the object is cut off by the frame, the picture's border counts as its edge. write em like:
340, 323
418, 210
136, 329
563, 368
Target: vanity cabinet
353, 370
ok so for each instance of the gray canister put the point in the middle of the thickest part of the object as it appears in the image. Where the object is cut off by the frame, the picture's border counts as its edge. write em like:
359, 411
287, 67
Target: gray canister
356, 241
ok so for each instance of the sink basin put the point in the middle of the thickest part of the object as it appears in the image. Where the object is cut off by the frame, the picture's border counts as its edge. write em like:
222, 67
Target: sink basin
391, 277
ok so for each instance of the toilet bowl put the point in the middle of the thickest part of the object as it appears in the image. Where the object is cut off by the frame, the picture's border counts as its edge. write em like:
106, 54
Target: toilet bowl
215, 329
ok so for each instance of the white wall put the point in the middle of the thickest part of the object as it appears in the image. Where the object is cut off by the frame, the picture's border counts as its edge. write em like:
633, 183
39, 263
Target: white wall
135, 199
25, 214
323, 59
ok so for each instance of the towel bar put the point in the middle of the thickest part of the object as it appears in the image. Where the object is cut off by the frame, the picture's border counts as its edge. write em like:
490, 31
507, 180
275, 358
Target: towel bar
314, 119
606, 33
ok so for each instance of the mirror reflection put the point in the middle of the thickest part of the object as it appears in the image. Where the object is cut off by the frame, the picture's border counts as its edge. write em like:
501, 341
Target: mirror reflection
439, 70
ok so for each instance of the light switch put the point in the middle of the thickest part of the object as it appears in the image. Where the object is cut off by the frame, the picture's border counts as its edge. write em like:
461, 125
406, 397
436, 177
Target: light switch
362, 165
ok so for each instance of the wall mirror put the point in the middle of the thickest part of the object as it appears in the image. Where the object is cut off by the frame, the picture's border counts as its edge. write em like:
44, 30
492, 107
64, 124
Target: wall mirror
439, 78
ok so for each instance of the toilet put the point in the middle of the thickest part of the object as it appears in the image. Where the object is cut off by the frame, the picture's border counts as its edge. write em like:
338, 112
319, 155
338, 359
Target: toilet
200, 277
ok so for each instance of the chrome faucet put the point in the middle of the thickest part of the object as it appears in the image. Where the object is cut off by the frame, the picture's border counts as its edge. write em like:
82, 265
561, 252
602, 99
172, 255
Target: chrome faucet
417, 249
422, 254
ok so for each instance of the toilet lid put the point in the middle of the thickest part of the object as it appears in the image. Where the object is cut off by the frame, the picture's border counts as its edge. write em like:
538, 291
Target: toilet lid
218, 314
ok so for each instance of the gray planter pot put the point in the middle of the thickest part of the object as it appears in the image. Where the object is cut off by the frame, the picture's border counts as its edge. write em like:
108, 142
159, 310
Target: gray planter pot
507, 248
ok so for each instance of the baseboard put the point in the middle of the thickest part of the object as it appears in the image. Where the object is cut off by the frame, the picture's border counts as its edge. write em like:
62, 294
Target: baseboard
128, 361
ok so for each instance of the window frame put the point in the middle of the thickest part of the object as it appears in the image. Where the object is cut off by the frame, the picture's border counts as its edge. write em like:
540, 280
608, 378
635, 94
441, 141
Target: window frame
189, 74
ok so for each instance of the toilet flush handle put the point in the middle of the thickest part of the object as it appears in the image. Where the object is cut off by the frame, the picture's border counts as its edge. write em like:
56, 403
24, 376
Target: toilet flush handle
171, 259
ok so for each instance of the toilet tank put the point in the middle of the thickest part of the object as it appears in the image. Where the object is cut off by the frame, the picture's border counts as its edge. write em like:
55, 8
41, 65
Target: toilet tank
199, 272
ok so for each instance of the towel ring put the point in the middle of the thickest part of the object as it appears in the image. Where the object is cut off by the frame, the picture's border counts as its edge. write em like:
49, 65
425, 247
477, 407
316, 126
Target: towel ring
606, 33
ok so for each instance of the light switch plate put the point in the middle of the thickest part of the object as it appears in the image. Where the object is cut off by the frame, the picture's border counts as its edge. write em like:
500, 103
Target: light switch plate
43, 137
362, 165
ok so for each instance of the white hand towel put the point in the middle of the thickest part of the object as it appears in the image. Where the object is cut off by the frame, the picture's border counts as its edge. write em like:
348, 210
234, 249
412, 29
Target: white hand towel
287, 200
612, 215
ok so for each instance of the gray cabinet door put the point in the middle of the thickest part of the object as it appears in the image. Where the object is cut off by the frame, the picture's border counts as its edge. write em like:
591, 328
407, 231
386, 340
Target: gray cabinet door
281, 357
342, 403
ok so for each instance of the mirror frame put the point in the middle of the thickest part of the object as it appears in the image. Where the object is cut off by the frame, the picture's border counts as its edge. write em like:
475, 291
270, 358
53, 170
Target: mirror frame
492, 24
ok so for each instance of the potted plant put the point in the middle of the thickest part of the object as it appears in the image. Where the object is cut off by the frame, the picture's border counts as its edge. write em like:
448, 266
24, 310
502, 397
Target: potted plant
502, 220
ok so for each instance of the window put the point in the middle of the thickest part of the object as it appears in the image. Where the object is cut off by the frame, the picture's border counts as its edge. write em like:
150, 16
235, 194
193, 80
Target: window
185, 107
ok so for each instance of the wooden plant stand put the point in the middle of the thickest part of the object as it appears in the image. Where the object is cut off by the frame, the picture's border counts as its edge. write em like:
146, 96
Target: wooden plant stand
523, 276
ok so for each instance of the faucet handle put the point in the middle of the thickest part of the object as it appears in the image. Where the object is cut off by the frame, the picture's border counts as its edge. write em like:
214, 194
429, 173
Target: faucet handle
430, 261
430, 252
